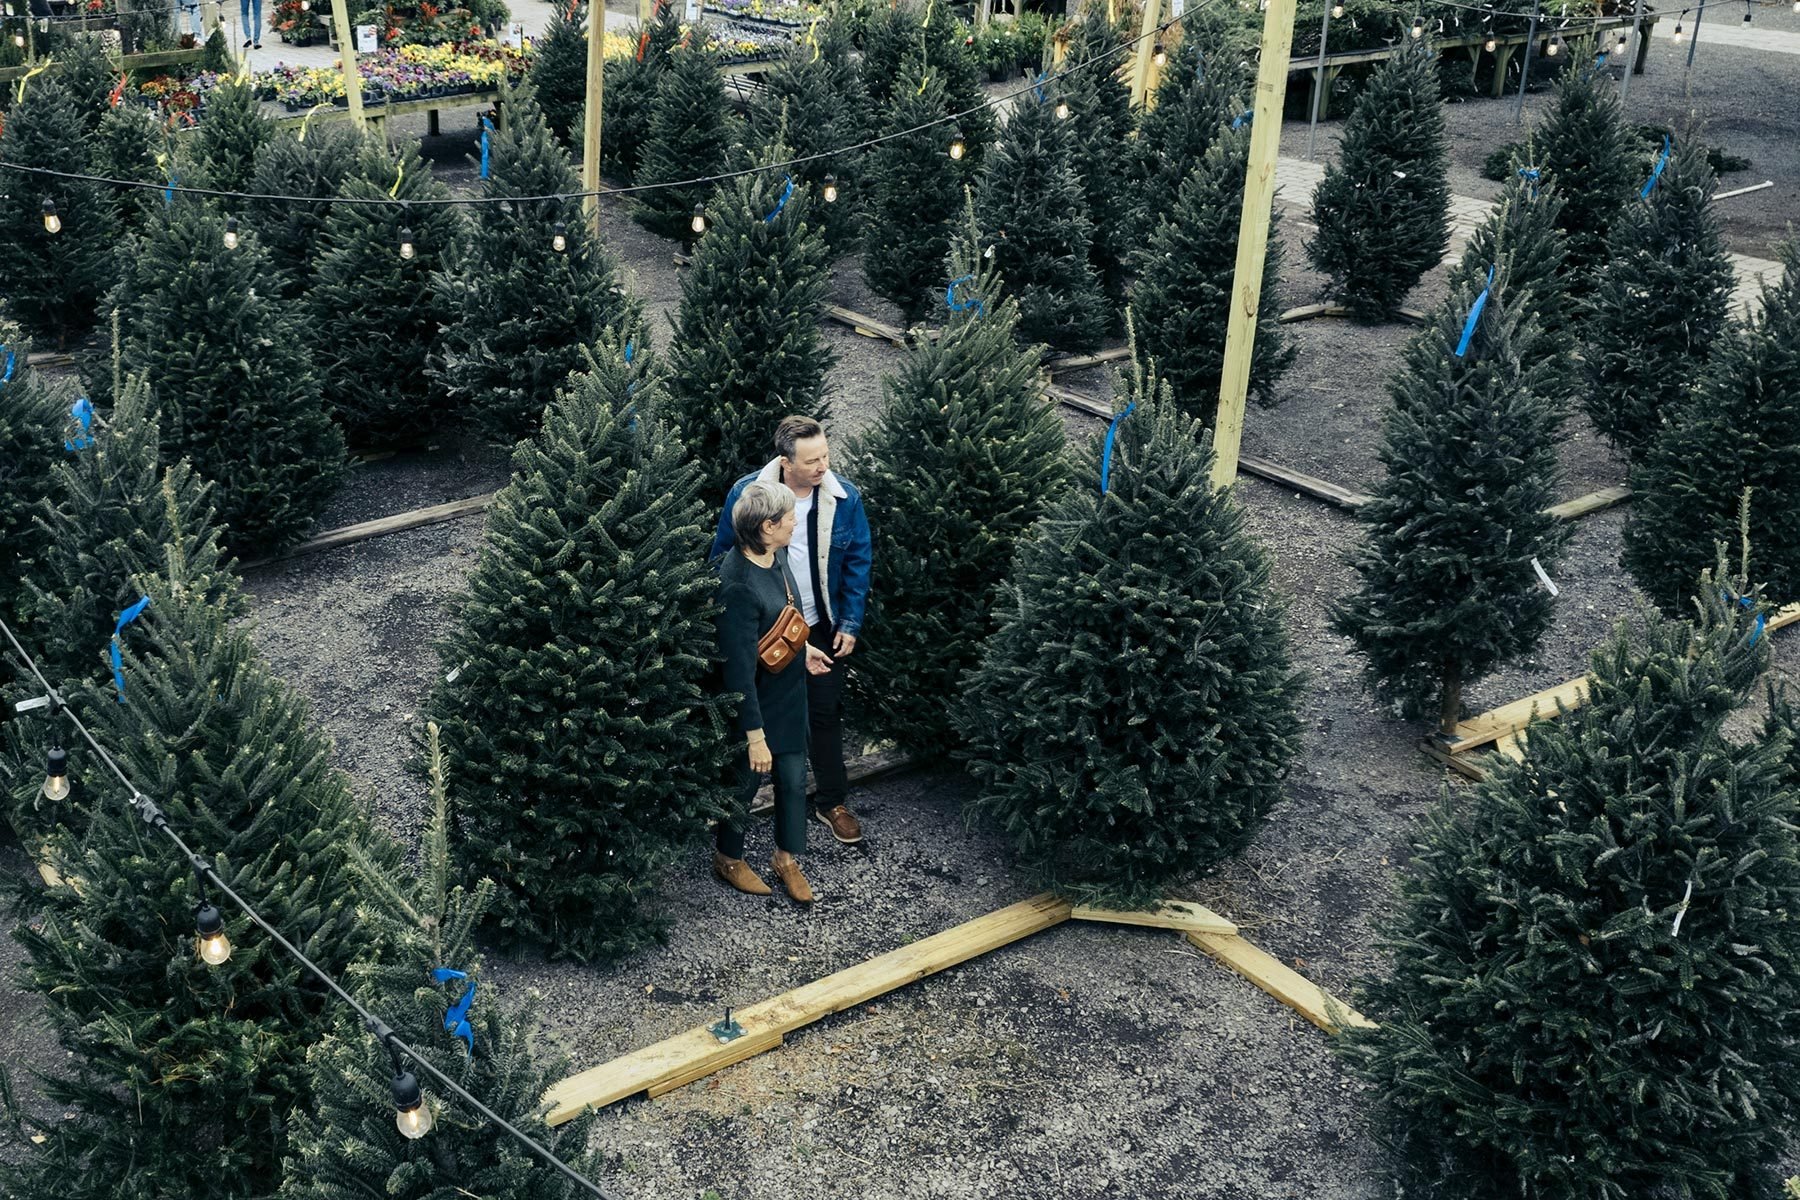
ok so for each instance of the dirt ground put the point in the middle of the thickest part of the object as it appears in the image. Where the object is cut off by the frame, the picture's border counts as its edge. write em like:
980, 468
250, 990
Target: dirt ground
1086, 1061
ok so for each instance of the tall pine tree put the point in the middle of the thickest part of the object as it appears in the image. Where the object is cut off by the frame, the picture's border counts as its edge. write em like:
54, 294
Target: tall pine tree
900, 37
1128, 614
1383, 208
1448, 591
559, 69
317, 162
129, 143
631, 95
1585, 148
813, 102
1522, 237
33, 414
690, 136
1200, 94
914, 194
583, 751
963, 457
1101, 123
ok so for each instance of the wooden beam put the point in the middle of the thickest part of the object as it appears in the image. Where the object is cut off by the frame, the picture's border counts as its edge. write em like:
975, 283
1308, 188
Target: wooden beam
590, 128
733, 1053
1169, 914
1782, 617
1253, 237
1077, 401
331, 539
1463, 765
697, 1053
1491, 726
1077, 362
867, 326
340, 19
1318, 489
1308, 312
1593, 502
1291, 988
1140, 63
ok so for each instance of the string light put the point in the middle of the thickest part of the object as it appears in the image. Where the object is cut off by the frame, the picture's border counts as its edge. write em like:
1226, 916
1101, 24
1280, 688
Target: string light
1680, 34
406, 243
1418, 28
231, 233
56, 775
559, 240
1159, 54
411, 1114
1062, 110
1623, 43
1337, 10
1746, 12
52, 222
1555, 46
957, 149
210, 941
19, 40
698, 224
831, 189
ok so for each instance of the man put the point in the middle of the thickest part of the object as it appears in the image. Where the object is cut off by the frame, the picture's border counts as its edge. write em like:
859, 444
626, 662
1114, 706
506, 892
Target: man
830, 558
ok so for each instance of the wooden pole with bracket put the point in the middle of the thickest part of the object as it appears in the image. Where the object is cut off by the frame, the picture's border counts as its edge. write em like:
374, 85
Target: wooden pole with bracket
1140, 68
340, 17
590, 130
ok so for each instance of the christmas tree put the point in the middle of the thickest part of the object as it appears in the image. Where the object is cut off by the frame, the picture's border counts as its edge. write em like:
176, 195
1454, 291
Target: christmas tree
1033, 200
1522, 237
32, 416
86, 73
813, 102
130, 144
1184, 285
915, 192
964, 455
1733, 436
1130, 613
1594, 960
559, 70
372, 308
1200, 94
348, 1145
578, 775
224, 149
57, 233
631, 96
899, 38
690, 134
519, 308
748, 349
318, 162
1662, 305
1101, 123
1585, 148
1457, 528
1383, 210
230, 373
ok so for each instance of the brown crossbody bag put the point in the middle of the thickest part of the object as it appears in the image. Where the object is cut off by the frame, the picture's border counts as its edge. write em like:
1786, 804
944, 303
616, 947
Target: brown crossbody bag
786, 642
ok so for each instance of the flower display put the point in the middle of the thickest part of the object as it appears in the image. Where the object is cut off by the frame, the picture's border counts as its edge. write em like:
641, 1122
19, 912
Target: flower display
409, 72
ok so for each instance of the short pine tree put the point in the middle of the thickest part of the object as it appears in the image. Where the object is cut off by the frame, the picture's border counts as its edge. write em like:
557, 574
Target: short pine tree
1101, 123
1521, 235
317, 165
963, 457
347, 1145
580, 773
54, 281
1595, 957
373, 311
518, 310
33, 417
915, 194
631, 96
1128, 615
1032, 199
231, 376
559, 70
224, 149
1662, 306
813, 104
127, 145
1448, 591
1585, 148
1183, 295
1736, 433
748, 349
1383, 209
1200, 94
690, 136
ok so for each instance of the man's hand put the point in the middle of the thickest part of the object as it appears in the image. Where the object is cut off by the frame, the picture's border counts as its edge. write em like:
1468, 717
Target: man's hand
843, 644
817, 661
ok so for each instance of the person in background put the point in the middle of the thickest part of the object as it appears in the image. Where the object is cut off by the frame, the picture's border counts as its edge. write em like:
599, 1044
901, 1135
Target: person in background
755, 585
252, 24
831, 559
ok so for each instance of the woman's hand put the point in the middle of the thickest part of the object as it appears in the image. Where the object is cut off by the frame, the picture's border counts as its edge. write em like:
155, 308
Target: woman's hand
817, 661
761, 761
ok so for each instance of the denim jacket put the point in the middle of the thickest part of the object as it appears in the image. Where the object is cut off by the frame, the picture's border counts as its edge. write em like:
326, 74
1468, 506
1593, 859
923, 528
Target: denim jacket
844, 555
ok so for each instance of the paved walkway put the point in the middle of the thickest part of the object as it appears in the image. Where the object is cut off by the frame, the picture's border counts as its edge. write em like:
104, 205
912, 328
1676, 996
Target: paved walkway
1730, 30
534, 15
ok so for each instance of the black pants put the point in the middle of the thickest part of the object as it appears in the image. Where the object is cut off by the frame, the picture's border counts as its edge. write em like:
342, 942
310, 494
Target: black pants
790, 804
824, 711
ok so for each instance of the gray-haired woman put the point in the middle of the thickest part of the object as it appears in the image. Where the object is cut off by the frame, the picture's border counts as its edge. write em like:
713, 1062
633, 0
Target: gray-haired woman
754, 587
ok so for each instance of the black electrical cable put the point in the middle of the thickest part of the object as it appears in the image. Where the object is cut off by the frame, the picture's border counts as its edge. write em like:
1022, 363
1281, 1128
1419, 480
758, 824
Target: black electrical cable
148, 811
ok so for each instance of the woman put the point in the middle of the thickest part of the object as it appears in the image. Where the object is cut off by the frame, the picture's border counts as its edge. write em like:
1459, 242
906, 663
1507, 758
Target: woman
754, 586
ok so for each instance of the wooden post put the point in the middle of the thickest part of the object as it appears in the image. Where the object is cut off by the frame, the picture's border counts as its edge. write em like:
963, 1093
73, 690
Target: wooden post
1631, 53
1140, 69
340, 18
1253, 237
590, 130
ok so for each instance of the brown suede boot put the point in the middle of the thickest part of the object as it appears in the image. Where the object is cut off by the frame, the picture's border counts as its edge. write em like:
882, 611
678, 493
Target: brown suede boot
787, 869
738, 874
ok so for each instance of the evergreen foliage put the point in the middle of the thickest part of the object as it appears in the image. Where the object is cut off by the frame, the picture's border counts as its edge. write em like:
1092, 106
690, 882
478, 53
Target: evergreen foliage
1594, 960
518, 311
320, 165
225, 147
1101, 123
690, 136
1584, 147
748, 349
373, 312
54, 282
631, 96
127, 145
347, 1144
1383, 209
1448, 591
559, 70
1201, 93
1522, 237
1183, 294
899, 41
915, 194
1735, 434
1032, 198
86, 73
814, 102
231, 376
33, 414
963, 457
1127, 616
584, 753
1661, 307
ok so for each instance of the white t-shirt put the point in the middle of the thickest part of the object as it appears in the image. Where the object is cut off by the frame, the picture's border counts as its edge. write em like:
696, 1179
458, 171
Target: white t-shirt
800, 559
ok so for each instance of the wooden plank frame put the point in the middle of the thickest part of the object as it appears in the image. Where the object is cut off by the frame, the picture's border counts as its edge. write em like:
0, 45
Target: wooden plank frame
1170, 914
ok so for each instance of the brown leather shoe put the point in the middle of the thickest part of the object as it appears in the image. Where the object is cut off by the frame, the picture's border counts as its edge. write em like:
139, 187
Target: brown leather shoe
738, 874
842, 822
787, 869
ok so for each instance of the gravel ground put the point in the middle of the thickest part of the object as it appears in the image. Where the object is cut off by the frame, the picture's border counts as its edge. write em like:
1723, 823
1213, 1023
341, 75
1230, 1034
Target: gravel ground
1085, 1061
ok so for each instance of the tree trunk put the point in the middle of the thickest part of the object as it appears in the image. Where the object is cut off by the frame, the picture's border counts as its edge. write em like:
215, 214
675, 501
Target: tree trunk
1451, 706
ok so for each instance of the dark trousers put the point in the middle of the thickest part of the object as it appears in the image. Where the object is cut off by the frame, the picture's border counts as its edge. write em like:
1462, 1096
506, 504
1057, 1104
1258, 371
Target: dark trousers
790, 804
824, 711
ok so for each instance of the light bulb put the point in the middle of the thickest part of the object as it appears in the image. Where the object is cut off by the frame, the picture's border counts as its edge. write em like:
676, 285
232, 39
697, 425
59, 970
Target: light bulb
1490, 44
19, 40
412, 1116
406, 243
1746, 14
1337, 10
231, 237
1554, 48
559, 241
1062, 110
1797, 6
1418, 28
1679, 35
52, 222
211, 943
1159, 55
957, 149
698, 224
56, 775
831, 191
1624, 42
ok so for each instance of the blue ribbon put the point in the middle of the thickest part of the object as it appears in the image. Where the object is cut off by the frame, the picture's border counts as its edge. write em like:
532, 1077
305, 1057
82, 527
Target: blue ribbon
1249, 114
169, 192
1468, 333
630, 349
456, 1017
781, 203
1661, 162
1037, 86
6, 376
1533, 175
1106, 450
82, 412
960, 306
118, 662
486, 129
1761, 618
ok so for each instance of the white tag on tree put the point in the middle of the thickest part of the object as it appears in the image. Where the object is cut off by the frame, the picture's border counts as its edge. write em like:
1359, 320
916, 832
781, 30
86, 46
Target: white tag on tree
1544, 579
